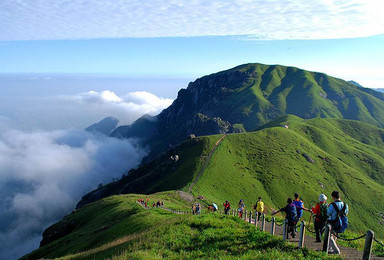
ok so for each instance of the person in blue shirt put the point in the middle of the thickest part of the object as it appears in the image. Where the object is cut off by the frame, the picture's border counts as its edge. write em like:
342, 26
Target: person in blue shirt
332, 217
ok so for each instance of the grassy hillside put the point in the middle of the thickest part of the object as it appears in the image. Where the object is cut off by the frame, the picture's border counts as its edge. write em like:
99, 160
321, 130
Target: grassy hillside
118, 228
270, 162
250, 95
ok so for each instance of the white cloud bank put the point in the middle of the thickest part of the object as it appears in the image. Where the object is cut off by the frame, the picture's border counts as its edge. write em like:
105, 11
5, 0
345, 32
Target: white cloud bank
79, 110
139, 102
44, 175
260, 19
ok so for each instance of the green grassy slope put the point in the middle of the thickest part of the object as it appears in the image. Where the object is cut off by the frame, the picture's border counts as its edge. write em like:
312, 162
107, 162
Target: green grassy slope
118, 228
270, 162
251, 95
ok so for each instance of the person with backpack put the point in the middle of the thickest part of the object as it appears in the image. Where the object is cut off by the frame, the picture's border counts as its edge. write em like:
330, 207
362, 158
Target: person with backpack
291, 216
299, 204
227, 207
241, 208
321, 215
259, 208
337, 217
198, 209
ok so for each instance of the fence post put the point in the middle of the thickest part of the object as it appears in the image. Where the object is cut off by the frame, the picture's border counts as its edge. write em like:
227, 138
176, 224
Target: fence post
327, 237
245, 215
302, 234
273, 226
368, 245
256, 222
263, 222
285, 229
250, 217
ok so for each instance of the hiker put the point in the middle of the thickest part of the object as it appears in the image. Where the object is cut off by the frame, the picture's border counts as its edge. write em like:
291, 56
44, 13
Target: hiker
162, 203
158, 204
227, 207
241, 208
193, 209
198, 209
299, 204
259, 208
337, 217
146, 204
321, 215
214, 207
299, 207
153, 204
291, 216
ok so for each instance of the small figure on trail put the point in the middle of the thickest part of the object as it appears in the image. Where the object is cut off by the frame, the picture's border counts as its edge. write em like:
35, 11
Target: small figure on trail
198, 209
259, 208
299, 206
158, 204
321, 215
146, 204
241, 208
193, 209
153, 204
210, 208
337, 217
227, 207
215, 207
291, 216
162, 203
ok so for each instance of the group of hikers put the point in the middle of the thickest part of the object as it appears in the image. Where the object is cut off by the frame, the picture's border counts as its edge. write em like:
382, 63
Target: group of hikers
334, 214
154, 204
196, 209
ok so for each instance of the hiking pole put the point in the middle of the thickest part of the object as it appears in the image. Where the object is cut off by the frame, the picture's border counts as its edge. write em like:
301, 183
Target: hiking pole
368, 245
273, 226
250, 217
327, 237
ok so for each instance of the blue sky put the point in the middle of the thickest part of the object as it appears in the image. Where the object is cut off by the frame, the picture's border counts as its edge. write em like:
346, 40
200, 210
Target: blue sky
189, 57
179, 38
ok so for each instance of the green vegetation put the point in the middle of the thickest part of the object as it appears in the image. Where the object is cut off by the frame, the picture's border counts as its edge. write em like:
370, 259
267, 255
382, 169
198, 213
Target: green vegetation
319, 152
251, 95
119, 228
348, 156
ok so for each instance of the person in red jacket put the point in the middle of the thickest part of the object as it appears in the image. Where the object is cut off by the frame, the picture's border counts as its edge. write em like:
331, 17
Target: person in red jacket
321, 216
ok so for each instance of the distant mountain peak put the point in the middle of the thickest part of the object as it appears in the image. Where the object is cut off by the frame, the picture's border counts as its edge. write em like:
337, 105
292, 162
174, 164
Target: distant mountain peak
104, 126
355, 83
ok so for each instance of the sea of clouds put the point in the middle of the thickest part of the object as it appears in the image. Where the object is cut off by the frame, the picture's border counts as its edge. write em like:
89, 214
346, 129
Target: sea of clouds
44, 173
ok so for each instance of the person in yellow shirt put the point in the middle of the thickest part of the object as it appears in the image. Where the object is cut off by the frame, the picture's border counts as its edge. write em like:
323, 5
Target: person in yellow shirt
259, 208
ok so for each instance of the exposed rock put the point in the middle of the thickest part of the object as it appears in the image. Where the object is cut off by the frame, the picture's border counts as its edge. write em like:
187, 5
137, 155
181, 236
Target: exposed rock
57, 231
309, 159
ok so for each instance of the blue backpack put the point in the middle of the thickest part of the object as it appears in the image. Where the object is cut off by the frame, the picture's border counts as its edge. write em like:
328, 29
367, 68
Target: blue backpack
340, 224
291, 213
299, 207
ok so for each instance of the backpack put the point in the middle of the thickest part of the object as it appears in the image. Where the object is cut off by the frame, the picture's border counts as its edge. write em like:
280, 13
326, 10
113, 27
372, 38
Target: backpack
299, 206
340, 224
291, 213
323, 212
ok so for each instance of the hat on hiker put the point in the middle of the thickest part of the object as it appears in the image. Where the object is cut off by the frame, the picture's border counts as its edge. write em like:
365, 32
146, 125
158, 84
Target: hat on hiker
322, 197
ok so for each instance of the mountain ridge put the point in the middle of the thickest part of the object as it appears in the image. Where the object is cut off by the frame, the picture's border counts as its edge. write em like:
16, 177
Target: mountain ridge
248, 96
